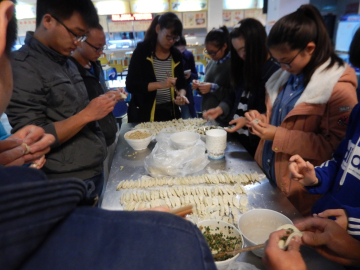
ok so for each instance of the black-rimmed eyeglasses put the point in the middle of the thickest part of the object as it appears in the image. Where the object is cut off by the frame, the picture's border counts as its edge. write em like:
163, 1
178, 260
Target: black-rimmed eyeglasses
211, 53
96, 48
77, 38
287, 64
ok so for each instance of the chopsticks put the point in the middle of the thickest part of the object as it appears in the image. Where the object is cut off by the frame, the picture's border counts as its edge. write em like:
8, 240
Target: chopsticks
236, 251
182, 211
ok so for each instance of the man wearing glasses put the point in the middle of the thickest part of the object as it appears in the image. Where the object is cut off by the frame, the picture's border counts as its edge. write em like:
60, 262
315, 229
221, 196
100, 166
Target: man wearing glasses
86, 60
49, 92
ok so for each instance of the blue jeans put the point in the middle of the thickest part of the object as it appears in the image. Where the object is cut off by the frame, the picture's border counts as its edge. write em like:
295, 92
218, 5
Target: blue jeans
42, 226
98, 182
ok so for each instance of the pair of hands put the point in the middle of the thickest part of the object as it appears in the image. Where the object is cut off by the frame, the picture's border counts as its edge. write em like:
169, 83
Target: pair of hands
180, 98
13, 152
323, 235
203, 87
304, 172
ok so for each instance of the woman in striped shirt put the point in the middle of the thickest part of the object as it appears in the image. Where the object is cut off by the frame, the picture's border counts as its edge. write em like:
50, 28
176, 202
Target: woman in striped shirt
156, 79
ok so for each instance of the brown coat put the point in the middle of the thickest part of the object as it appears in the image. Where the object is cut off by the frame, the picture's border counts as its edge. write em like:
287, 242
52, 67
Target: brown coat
313, 129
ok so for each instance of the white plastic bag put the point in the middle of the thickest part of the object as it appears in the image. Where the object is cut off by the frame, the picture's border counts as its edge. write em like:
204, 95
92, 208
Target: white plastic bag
164, 160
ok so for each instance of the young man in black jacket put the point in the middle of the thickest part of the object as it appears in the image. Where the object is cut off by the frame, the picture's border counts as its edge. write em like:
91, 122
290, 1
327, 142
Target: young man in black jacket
49, 91
86, 60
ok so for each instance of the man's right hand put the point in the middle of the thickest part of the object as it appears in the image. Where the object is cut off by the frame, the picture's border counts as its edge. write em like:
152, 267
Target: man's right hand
330, 240
99, 107
12, 152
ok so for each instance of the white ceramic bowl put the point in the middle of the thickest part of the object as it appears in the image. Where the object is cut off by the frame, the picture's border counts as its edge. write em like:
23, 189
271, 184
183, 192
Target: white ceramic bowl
256, 225
213, 224
184, 139
138, 144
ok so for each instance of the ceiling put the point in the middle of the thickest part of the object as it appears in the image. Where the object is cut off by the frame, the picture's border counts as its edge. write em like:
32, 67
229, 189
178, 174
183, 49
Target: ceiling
33, 2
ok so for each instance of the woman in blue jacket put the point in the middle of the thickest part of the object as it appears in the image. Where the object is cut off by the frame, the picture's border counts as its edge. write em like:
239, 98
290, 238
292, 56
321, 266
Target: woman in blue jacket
156, 78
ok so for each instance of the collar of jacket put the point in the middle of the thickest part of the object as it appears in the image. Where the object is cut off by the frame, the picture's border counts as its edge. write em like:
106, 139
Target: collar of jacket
319, 88
83, 71
36, 45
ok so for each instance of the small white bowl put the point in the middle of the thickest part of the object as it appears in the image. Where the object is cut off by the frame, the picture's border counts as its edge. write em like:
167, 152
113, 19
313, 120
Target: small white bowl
138, 144
213, 224
257, 224
184, 139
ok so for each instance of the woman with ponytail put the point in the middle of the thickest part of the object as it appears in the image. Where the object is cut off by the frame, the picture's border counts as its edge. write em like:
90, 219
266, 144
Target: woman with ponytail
216, 84
308, 101
156, 78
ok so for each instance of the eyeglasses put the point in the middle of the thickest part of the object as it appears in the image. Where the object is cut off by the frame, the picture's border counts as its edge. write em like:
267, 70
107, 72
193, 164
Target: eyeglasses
211, 53
171, 38
76, 37
96, 48
286, 65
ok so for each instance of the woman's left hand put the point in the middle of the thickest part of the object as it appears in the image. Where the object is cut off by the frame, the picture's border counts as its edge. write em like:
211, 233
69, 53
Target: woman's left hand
204, 88
264, 131
181, 99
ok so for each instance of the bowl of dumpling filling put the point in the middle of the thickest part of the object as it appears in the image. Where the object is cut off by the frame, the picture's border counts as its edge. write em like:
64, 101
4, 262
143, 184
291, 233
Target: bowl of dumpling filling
138, 139
221, 237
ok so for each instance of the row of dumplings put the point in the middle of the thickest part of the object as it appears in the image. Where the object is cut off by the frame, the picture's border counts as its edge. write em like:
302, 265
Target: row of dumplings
176, 124
220, 178
180, 192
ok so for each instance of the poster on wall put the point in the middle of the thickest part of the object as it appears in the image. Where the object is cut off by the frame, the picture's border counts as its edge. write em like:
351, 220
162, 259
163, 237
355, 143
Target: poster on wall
230, 18
194, 19
26, 25
140, 26
188, 5
120, 26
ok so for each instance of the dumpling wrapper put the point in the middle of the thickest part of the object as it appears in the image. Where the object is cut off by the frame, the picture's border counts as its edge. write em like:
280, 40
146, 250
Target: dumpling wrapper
283, 244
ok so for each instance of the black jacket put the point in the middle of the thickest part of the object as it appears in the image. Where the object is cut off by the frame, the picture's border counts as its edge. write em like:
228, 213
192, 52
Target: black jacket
48, 88
141, 73
95, 87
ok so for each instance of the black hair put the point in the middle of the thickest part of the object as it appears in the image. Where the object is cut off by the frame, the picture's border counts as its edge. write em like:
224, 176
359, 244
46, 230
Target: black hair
298, 29
99, 27
11, 33
250, 70
167, 20
219, 37
64, 9
354, 52
181, 42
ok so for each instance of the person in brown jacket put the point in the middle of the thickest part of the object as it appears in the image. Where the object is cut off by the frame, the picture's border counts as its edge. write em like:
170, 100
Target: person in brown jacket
308, 101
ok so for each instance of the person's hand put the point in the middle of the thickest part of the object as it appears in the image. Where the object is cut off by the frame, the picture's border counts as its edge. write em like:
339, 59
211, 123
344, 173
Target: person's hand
39, 163
168, 83
195, 84
301, 171
36, 139
339, 214
251, 116
213, 113
264, 131
330, 240
12, 152
239, 124
99, 107
120, 94
278, 259
181, 99
204, 88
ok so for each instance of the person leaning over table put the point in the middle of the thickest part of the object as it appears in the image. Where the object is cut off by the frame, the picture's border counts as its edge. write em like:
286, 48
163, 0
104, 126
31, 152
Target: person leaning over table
188, 110
47, 224
308, 101
323, 235
216, 85
156, 78
49, 91
250, 60
86, 60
